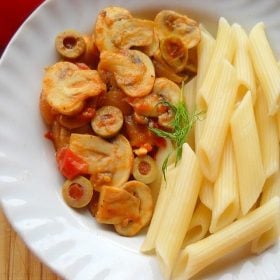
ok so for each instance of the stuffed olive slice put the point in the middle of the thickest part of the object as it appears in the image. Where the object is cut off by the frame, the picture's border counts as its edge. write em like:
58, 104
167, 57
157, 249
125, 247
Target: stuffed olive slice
107, 121
78, 192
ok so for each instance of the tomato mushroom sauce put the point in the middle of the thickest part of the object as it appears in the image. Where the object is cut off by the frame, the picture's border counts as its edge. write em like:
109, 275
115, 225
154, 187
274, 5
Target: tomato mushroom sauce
99, 102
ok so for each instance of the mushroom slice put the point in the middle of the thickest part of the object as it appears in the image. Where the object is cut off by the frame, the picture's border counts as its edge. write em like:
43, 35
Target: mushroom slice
67, 87
60, 135
174, 53
132, 32
167, 90
143, 193
109, 163
47, 112
91, 55
133, 71
162, 69
105, 20
116, 205
151, 49
150, 105
171, 23
123, 158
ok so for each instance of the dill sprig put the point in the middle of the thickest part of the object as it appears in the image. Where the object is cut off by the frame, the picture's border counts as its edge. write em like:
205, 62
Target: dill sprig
182, 124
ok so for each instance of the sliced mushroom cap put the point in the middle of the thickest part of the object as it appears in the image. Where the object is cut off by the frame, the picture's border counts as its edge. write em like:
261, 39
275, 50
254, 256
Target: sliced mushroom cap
162, 69
133, 71
91, 55
174, 53
169, 23
109, 163
105, 20
60, 135
132, 32
123, 159
167, 90
70, 44
142, 192
47, 112
163, 90
67, 87
117, 205
151, 49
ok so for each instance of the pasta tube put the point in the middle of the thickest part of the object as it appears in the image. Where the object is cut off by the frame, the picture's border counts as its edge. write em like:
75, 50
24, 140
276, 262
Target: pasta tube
247, 152
226, 197
268, 135
242, 63
266, 67
190, 101
183, 201
210, 146
224, 49
268, 238
278, 123
161, 155
199, 225
165, 194
199, 255
205, 51
206, 193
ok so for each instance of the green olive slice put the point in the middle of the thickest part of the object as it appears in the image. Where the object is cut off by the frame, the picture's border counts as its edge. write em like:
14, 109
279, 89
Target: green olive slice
144, 169
107, 121
77, 193
70, 44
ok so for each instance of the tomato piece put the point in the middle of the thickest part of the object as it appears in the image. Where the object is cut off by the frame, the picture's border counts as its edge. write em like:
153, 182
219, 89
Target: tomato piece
82, 66
87, 114
49, 135
70, 164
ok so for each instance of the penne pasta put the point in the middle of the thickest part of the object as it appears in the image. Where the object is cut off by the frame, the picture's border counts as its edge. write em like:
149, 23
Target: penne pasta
205, 51
190, 94
199, 225
268, 238
245, 138
206, 193
199, 255
226, 197
184, 198
161, 155
216, 125
190, 101
242, 63
278, 124
268, 135
224, 49
271, 188
266, 67
166, 189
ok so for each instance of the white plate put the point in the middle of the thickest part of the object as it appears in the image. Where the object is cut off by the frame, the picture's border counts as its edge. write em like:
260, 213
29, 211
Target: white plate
69, 241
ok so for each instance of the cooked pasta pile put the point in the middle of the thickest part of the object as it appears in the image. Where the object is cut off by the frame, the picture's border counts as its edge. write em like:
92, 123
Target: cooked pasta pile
198, 162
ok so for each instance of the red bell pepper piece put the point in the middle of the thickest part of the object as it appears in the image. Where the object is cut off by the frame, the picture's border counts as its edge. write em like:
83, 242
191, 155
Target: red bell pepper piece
70, 164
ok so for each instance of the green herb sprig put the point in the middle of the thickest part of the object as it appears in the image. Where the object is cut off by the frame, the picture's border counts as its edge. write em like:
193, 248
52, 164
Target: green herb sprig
182, 124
